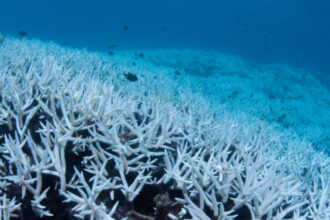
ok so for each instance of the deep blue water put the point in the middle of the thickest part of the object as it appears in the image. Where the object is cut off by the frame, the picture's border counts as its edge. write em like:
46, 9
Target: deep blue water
296, 32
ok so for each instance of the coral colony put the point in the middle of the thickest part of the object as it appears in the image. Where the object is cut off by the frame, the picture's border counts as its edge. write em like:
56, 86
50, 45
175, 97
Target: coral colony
74, 146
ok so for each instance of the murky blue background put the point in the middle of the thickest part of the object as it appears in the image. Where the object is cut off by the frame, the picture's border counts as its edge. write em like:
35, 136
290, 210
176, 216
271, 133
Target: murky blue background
296, 32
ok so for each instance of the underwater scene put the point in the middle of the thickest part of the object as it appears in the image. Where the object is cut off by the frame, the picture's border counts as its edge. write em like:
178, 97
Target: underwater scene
165, 110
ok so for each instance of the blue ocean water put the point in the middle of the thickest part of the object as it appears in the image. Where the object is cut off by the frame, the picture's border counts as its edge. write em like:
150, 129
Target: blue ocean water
296, 32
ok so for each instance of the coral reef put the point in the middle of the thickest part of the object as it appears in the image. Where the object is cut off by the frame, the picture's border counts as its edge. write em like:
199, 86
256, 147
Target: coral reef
73, 146
275, 93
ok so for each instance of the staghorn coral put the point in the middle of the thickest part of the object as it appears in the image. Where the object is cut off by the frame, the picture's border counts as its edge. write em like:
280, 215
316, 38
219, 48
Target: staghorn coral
75, 147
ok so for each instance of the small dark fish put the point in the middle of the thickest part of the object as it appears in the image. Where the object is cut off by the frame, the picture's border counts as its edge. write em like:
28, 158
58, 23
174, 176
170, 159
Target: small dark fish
141, 55
22, 33
110, 53
111, 46
125, 27
130, 76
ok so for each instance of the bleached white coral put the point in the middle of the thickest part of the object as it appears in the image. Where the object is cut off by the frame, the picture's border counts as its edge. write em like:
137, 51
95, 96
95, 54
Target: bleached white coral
96, 147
